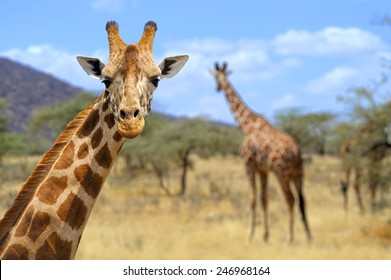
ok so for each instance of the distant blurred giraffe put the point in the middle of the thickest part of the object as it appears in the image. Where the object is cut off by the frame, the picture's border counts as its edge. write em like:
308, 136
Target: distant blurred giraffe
265, 149
357, 147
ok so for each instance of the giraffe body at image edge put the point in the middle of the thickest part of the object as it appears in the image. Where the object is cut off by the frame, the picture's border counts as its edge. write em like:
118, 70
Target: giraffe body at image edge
50, 212
358, 147
265, 149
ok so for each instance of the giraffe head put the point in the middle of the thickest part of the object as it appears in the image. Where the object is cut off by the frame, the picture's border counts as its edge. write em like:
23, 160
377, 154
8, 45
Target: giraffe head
220, 73
131, 76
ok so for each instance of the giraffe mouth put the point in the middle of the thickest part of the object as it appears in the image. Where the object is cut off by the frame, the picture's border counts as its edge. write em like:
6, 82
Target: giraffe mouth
131, 128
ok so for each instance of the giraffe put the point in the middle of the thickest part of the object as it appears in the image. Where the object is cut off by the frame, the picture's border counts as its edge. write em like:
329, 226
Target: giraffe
351, 151
265, 149
50, 212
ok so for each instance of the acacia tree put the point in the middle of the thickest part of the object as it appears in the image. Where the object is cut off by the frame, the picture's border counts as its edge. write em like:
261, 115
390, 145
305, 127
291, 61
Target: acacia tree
10, 143
370, 111
48, 121
3, 128
310, 130
200, 137
172, 145
370, 106
146, 151
3, 136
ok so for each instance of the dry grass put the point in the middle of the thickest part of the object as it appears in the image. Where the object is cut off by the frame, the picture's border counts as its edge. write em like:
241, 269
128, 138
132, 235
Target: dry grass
133, 219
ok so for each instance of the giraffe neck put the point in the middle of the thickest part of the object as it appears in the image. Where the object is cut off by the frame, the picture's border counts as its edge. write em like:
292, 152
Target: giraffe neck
51, 211
244, 116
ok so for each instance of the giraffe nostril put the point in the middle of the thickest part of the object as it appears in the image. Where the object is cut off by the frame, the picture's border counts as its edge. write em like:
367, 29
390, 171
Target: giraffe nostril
122, 114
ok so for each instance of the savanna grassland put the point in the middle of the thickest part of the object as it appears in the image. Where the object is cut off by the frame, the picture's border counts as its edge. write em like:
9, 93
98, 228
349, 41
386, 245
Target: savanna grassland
134, 219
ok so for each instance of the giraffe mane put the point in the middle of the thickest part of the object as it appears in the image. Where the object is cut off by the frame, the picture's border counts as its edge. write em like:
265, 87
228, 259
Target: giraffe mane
40, 172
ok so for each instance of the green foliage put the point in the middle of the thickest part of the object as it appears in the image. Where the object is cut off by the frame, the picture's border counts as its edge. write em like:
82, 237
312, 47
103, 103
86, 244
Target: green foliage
310, 130
369, 108
3, 118
339, 133
48, 122
10, 143
368, 103
196, 136
370, 119
3, 129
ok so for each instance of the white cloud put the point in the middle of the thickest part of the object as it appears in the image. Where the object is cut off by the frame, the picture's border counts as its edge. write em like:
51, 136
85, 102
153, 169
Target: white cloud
335, 81
250, 59
328, 41
202, 45
285, 101
58, 63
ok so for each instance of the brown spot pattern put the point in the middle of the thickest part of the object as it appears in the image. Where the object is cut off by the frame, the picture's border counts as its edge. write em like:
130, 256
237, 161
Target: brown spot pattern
106, 103
66, 159
25, 222
110, 120
73, 211
16, 252
83, 151
96, 138
89, 124
54, 248
51, 189
117, 137
103, 157
90, 181
40, 222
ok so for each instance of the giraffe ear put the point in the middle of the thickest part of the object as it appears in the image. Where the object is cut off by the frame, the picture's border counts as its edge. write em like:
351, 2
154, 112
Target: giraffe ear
170, 66
93, 66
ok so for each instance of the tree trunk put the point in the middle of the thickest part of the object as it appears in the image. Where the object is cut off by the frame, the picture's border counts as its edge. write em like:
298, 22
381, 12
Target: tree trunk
160, 172
128, 162
185, 166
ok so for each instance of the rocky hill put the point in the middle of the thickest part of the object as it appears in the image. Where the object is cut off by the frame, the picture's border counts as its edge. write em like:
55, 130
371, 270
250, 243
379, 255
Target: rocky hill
26, 88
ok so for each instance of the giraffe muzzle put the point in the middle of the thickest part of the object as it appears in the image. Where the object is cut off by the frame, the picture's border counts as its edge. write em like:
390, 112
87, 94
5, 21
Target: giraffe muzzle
130, 122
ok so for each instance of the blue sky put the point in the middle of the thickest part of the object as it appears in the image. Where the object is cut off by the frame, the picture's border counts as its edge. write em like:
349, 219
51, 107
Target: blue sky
283, 53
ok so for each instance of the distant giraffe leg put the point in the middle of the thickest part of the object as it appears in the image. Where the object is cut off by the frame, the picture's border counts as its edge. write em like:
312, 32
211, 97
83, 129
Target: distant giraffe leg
264, 197
357, 189
251, 177
290, 201
298, 182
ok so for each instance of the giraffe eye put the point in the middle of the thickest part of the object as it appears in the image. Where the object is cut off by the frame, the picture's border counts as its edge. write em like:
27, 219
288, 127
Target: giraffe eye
155, 81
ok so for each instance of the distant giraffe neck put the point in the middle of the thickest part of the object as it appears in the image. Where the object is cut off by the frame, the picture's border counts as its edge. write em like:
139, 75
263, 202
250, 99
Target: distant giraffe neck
244, 116
51, 211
